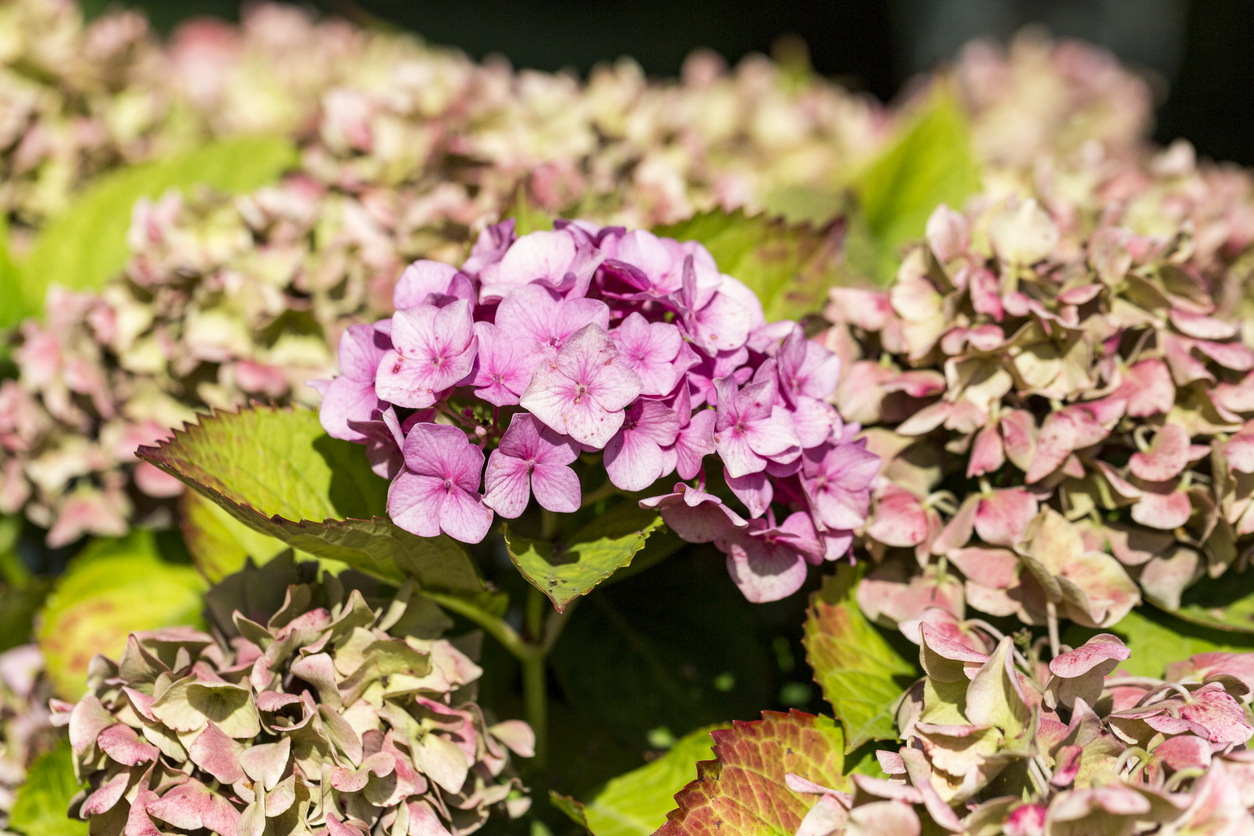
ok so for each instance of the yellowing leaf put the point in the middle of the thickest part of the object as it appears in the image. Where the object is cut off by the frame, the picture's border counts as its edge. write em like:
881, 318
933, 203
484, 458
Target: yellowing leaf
636, 804
111, 589
861, 674
743, 792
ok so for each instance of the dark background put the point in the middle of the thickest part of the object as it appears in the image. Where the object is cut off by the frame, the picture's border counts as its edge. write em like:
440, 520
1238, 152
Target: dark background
1199, 53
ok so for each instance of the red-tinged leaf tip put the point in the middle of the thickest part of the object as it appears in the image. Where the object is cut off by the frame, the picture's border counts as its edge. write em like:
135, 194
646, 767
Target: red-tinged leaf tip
744, 792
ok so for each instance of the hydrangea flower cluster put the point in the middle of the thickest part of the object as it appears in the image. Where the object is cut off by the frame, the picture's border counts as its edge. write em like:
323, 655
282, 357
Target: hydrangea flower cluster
1039, 98
26, 729
996, 744
329, 715
1058, 427
407, 152
586, 339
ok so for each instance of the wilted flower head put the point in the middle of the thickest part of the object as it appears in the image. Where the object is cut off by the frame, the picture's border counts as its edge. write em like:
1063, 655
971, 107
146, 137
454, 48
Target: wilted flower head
1062, 427
320, 713
606, 354
26, 729
995, 744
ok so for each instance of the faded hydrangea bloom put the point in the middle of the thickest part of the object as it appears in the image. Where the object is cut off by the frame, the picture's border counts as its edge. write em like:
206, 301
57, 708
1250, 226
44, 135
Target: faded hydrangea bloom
996, 743
26, 729
1050, 98
1063, 426
590, 339
320, 712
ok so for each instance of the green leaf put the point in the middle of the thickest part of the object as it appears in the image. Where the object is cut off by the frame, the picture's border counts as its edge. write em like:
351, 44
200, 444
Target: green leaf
743, 792
42, 803
802, 204
12, 568
932, 162
1224, 603
220, 545
528, 215
276, 461
1157, 639
636, 804
86, 245
676, 647
14, 307
111, 589
279, 473
789, 267
565, 570
861, 674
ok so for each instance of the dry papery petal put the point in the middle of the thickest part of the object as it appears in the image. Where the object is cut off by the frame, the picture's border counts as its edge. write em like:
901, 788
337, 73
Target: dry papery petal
317, 718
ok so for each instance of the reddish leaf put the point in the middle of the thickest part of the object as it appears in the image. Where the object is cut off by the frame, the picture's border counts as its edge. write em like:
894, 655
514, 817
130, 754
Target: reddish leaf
744, 791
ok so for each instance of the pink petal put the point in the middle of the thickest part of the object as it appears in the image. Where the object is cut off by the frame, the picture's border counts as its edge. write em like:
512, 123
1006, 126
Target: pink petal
1002, 518
464, 517
764, 572
122, 744
1166, 457
507, 489
754, 490
1166, 511
556, 488
899, 520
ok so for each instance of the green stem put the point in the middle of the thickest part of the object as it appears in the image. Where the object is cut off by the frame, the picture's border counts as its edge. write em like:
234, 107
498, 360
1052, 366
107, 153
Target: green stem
495, 627
535, 675
541, 627
606, 490
550, 522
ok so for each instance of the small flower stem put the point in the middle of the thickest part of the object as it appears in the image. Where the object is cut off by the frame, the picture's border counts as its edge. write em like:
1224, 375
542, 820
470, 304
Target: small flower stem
606, 490
495, 627
550, 522
535, 675
1051, 616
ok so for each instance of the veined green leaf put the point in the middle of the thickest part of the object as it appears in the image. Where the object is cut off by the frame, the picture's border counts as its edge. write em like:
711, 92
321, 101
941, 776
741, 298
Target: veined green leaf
789, 266
859, 671
111, 589
566, 570
279, 473
85, 246
220, 544
42, 804
932, 162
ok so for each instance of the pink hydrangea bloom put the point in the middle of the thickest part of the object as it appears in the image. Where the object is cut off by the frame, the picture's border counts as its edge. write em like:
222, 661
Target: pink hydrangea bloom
531, 459
557, 353
439, 488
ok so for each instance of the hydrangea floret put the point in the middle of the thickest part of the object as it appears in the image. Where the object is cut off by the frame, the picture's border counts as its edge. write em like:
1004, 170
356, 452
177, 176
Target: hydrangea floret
26, 730
329, 715
581, 360
1063, 430
996, 741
